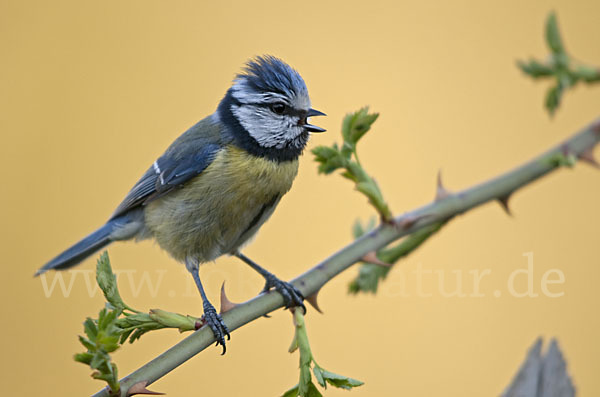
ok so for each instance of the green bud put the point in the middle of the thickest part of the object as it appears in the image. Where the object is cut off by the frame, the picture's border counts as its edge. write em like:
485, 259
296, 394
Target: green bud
173, 320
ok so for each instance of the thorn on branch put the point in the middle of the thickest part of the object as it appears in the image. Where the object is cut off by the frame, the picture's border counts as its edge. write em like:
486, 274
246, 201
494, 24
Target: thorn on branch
441, 192
503, 201
312, 299
371, 257
226, 304
596, 128
140, 388
199, 324
407, 222
588, 157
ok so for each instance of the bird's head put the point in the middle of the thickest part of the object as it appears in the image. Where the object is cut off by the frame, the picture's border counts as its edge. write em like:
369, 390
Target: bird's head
268, 108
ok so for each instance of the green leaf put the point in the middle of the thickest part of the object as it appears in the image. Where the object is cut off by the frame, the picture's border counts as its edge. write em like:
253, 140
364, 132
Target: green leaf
137, 334
294, 345
324, 153
553, 99
371, 223
347, 125
367, 280
588, 74
85, 358
109, 342
90, 329
125, 335
330, 164
341, 381
553, 35
535, 69
293, 392
410, 243
313, 391
107, 318
319, 375
108, 282
362, 125
87, 343
357, 229
329, 157
349, 175
356, 125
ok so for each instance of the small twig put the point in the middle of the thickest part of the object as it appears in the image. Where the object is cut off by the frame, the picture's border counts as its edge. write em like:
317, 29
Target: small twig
558, 66
305, 386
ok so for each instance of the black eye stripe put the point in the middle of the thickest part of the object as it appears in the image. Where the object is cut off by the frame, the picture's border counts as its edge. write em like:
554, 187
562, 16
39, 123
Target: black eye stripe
290, 111
297, 112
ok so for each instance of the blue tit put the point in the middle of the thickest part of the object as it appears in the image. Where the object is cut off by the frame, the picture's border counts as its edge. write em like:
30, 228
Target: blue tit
217, 183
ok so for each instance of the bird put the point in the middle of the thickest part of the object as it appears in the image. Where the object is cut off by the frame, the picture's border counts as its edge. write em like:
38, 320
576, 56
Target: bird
218, 182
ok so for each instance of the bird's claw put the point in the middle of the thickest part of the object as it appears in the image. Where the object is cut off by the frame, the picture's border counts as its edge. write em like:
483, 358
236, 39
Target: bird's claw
216, 324
292, 297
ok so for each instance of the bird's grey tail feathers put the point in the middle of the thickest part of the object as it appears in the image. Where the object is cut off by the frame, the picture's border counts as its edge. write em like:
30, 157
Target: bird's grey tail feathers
87, 246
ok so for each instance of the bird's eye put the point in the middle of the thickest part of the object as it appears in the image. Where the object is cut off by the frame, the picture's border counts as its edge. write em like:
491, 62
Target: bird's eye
278, 108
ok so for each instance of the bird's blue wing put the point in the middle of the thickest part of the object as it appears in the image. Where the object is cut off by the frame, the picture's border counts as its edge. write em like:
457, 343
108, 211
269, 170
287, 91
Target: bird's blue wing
166, 174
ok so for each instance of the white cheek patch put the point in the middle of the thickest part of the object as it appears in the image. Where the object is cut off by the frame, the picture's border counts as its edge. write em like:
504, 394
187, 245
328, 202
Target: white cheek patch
268, 129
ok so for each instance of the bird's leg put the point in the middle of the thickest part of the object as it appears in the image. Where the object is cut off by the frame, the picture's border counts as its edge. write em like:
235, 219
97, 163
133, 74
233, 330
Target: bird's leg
291, 295
211, 317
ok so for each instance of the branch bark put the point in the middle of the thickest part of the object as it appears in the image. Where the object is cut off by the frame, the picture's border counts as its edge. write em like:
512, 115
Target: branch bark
500, 188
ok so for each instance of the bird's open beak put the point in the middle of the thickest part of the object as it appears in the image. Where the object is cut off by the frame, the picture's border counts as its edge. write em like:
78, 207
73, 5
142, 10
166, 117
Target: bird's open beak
314, 128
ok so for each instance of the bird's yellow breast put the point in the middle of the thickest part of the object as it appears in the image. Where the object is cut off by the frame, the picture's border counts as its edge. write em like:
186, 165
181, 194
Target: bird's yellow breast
221, 208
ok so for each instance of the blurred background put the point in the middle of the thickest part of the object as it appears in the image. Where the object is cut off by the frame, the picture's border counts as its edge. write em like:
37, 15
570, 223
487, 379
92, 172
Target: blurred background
93, 92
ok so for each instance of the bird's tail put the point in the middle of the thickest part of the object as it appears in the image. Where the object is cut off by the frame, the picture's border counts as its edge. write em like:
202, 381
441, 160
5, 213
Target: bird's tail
81, 250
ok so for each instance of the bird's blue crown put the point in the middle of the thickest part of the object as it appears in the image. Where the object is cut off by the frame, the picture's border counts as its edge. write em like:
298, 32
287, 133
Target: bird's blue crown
270, 74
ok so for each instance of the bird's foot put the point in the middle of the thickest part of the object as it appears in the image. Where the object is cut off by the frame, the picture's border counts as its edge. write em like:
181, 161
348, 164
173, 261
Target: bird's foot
216, 324
291, 295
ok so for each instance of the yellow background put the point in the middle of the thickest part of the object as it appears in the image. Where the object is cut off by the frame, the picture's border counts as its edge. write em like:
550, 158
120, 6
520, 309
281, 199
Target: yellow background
93, 92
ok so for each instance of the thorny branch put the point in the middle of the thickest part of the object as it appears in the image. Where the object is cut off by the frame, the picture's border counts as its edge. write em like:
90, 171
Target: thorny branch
500, 188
